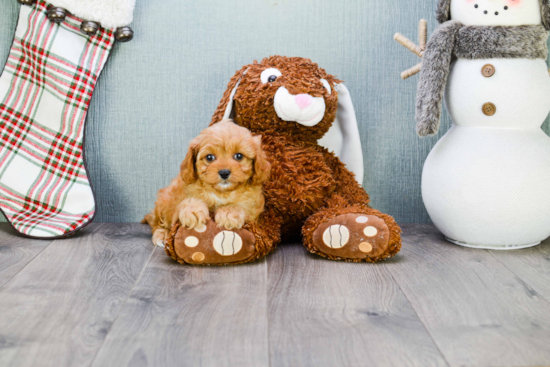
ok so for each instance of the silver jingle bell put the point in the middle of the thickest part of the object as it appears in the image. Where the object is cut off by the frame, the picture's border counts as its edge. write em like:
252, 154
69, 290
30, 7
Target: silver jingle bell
26, 2
57, 15
124, 34
89, 27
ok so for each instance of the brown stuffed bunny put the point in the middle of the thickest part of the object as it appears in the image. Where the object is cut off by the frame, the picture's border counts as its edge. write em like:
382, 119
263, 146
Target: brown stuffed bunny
292, 104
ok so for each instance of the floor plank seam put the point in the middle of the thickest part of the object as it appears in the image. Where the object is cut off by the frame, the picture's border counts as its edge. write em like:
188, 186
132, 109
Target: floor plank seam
27, 264
517, 276
267, 309
124, 304
419, 318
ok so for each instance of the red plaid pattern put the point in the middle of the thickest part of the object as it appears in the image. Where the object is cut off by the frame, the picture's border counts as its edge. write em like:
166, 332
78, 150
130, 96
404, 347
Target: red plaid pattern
45, 91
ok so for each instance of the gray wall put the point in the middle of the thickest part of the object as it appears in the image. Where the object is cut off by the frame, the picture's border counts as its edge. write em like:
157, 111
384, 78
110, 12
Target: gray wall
160, 90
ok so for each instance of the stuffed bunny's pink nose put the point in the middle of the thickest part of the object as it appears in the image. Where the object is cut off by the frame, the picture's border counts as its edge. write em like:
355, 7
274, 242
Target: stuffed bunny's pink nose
303, 100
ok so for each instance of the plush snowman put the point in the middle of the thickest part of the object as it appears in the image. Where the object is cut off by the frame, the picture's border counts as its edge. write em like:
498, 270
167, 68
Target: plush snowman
486, 183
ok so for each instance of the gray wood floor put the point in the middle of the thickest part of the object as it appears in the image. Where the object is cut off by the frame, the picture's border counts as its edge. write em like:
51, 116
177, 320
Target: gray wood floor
106, 297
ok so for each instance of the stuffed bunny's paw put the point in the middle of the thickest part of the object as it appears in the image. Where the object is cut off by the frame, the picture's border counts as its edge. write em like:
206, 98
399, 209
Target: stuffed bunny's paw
352, 237
212, 245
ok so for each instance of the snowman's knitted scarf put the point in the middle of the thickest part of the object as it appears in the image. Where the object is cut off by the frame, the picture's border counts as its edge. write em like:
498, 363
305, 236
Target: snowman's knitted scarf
468, 42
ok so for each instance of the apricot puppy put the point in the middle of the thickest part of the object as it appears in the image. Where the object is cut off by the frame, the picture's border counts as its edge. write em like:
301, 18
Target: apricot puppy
222, 174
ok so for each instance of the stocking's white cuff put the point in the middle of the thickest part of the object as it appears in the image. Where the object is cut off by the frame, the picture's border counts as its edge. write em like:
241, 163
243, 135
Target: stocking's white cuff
110, 13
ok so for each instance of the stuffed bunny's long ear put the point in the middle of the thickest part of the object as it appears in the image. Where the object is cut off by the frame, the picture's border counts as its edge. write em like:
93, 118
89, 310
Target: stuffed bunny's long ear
228, 113
225, 108
343, 137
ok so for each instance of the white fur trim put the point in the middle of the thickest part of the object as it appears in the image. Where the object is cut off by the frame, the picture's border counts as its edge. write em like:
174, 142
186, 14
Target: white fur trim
110, 13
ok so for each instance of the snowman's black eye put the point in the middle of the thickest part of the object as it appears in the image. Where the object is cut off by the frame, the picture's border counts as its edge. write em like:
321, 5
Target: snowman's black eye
272, 78
505, 8
476, 6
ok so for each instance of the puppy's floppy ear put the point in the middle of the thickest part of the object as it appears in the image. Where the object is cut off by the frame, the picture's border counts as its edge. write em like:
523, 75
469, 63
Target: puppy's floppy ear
188, 171
262, 167
225, 108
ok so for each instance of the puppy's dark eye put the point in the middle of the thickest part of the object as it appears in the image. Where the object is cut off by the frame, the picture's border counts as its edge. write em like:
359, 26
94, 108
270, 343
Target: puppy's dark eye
238, 157
272, 78
210, 158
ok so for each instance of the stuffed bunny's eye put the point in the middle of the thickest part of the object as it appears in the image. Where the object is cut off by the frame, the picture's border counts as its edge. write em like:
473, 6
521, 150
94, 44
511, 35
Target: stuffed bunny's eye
210, 158
238, 157
270, 75
326, 85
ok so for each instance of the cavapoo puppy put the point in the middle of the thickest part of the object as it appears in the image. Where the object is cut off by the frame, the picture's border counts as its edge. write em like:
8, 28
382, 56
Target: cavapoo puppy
222, 174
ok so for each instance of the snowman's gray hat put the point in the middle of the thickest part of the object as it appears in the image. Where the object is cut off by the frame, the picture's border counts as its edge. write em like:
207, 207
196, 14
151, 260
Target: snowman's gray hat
444, 12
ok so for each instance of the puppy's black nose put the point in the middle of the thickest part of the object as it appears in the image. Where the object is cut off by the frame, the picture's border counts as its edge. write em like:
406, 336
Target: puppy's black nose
225, 173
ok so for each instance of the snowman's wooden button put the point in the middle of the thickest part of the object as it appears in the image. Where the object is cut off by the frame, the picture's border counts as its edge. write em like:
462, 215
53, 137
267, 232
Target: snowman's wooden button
488, 70
489, 109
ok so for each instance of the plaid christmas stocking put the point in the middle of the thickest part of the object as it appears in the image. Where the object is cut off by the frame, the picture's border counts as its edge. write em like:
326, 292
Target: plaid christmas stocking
45, 90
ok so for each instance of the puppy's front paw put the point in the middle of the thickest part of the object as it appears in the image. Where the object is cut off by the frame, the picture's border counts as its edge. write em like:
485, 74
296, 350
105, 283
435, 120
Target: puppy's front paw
193, 214
230, 217
159, 236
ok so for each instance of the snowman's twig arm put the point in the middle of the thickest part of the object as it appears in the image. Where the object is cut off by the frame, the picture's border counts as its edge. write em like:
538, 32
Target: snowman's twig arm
416, 49
407, 43
423, 34
412, 71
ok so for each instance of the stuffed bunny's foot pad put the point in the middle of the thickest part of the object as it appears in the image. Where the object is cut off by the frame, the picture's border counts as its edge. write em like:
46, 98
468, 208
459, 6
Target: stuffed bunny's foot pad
210, 245
352, 236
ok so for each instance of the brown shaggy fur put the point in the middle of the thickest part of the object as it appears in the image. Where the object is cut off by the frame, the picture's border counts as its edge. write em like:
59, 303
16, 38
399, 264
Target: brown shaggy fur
308, 184
200, 190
